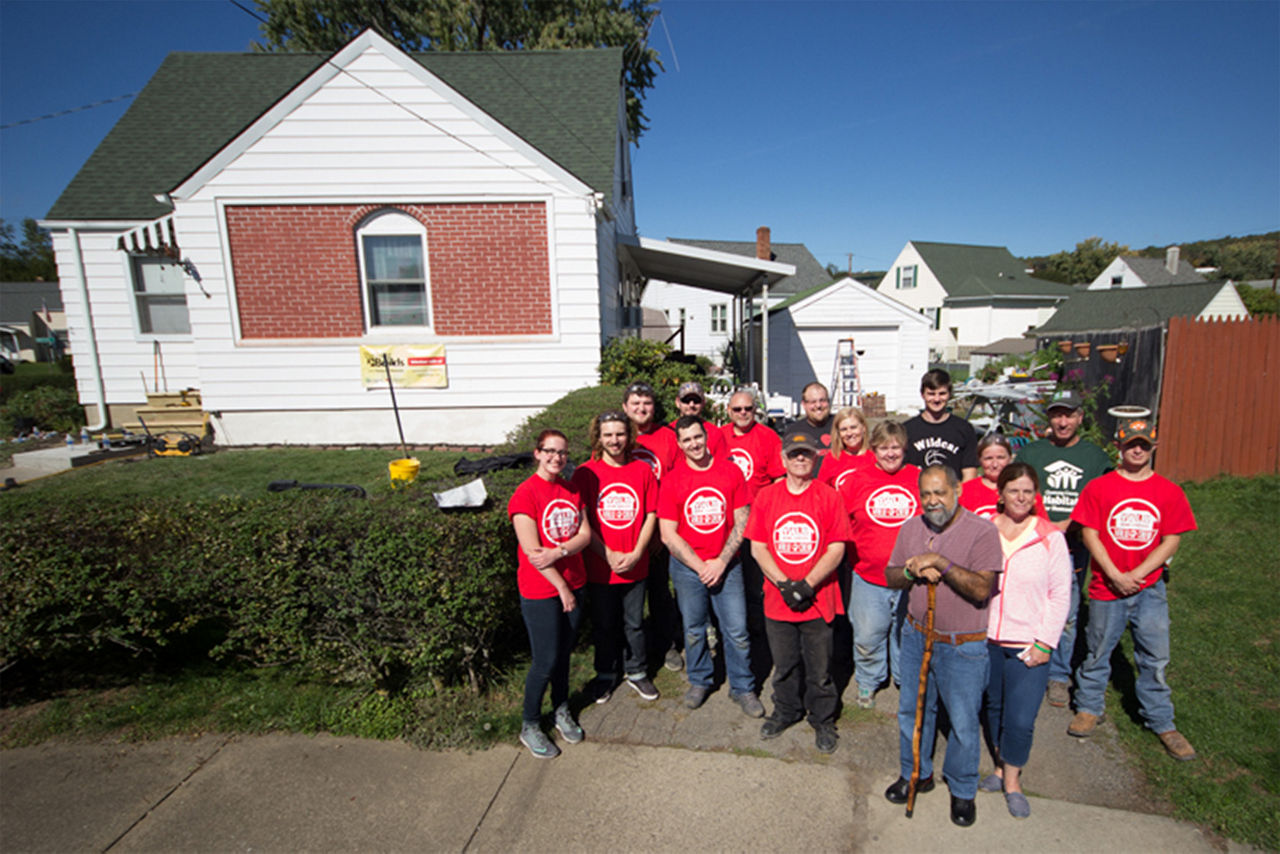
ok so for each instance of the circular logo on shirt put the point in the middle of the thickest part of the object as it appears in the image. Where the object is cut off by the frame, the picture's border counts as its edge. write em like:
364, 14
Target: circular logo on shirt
744, 462
1133, 524
988, 511
704, 509
795, 537
559, 520
843, 476
617, 506
891, 506
935, 457
649, 458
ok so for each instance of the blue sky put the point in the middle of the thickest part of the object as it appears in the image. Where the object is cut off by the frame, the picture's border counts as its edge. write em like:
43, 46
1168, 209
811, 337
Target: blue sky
850, 127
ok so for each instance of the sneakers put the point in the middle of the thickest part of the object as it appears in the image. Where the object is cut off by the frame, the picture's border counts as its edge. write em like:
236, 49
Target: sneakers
773, 727
1177, 746
825, 739
644, 687
866, 699
750, 704
1059, 694
1083, 724
601, 690
674, 660
532, 737
695, 696
567, 726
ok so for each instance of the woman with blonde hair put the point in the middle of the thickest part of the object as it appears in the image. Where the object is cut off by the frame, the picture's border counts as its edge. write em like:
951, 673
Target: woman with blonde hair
850, 447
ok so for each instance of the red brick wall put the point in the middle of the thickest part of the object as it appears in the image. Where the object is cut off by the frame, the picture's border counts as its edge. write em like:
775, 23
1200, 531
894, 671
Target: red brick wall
297, 276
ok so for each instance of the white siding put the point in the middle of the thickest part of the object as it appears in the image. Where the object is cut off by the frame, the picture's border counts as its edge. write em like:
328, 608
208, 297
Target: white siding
926, 296
699, 340
1117, 267
1225, 305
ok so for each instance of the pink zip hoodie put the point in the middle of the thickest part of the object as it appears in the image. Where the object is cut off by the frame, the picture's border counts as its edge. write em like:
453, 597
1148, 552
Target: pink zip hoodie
1035, 590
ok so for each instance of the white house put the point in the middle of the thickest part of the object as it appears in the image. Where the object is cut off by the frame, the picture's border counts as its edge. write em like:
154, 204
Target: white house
708, 317
254, 221
1136, 271
893, 339
972, 295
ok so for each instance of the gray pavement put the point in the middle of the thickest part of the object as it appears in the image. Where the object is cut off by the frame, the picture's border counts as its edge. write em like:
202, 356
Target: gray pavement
650, 777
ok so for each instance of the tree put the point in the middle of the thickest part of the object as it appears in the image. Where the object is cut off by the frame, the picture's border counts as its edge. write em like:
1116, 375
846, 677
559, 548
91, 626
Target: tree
1091, 256
28, 261
420, 25
1259, 301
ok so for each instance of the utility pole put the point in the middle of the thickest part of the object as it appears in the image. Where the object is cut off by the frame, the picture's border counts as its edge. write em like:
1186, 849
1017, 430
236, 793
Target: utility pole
851, 263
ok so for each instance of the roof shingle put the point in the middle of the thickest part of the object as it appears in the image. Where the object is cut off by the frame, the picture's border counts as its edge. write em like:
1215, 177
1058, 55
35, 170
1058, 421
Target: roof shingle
809, 273
1129, 308
983, 271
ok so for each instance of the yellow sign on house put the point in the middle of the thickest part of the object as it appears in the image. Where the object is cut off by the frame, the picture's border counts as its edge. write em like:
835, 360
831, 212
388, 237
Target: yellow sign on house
412, 366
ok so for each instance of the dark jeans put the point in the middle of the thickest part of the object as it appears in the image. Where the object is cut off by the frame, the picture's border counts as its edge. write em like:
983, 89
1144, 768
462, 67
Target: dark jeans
617, 618
1014, 692
664, 616
802, 671
551, 636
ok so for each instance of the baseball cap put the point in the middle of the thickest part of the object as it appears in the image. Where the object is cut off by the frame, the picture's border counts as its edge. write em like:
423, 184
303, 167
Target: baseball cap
1129, 429
690, 388
799, 440
1064, 399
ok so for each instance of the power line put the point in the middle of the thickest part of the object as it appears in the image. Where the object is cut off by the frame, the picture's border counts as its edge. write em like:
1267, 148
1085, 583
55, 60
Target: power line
61, 113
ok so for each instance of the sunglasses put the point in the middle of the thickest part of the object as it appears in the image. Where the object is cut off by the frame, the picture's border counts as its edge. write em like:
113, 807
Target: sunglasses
741, 408
691, 398
641, 389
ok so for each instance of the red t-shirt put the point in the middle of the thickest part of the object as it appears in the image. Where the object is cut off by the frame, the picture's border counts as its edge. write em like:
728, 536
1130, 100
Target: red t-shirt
981, 499
757, 454
798, 530
617, 499
836, 470
1131, 516
556, 508
879, 504
715, 439
658, 449
703, 503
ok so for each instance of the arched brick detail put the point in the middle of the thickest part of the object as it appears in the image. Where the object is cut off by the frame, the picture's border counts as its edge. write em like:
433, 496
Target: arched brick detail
297, 269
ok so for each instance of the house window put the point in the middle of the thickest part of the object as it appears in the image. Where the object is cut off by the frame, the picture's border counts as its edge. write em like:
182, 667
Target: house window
160, 296
934, 315
1117, 281
393, 264
907, 277
719, 318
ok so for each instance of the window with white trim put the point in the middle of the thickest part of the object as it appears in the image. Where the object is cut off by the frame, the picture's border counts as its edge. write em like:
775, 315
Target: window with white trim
160, 296
393, 270
935, 316
906, 277
720, 318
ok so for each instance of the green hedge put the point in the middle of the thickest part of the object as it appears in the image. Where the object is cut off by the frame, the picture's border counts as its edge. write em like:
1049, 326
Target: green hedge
387, 591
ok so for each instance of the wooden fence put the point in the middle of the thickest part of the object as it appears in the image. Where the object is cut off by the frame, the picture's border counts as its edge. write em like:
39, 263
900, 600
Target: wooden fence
1220, 403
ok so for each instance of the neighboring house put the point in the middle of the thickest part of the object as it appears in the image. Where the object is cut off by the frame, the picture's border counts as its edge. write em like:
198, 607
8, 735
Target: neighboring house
254, 220
1135, 271
893, 340
33, 327
1132, 308
979, 357
972, 295
708, 317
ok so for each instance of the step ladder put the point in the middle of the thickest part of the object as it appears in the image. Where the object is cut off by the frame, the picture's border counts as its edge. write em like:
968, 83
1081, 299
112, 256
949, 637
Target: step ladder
846, 377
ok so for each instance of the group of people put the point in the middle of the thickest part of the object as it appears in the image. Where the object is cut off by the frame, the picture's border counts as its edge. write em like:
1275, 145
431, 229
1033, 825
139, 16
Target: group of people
959, 567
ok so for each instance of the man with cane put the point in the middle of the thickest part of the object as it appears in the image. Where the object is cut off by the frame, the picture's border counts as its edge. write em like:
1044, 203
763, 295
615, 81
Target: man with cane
948, 559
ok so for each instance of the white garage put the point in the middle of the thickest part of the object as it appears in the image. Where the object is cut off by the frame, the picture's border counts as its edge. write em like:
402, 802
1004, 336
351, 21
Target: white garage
893, 341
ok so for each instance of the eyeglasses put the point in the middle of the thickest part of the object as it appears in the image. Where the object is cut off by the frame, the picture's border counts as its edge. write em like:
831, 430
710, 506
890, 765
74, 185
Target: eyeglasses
741, 408
562, 454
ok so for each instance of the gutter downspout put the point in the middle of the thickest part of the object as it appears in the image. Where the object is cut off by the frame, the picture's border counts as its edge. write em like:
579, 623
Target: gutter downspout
764, 343
82, 285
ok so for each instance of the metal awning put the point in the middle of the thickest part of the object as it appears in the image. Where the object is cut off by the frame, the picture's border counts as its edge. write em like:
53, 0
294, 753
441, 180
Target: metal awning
708, 269
154, 238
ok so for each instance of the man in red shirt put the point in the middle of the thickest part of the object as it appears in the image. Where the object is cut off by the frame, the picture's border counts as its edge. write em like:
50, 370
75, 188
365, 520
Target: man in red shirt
1132, 521
691, 400
702, 512
798, 529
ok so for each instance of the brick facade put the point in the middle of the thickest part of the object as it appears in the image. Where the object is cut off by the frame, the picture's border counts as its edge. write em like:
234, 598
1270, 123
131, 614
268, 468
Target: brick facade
297, 268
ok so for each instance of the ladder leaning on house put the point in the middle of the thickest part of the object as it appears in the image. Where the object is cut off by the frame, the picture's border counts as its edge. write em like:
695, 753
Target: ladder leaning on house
846, 378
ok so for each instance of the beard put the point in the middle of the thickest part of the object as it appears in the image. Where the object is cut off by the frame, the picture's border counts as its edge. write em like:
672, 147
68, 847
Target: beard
937, 519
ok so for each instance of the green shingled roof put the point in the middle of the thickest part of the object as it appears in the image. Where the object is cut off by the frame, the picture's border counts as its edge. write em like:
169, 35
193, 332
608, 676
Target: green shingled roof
1125, 308
564, 103
983, 271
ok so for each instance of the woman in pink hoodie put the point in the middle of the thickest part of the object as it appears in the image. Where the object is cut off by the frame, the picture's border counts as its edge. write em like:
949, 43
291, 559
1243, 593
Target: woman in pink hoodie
1025, 619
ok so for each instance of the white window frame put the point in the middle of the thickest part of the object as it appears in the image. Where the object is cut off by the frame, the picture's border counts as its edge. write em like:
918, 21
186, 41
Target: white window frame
141, 299
719, 318
934, 314
391, 222
908, 277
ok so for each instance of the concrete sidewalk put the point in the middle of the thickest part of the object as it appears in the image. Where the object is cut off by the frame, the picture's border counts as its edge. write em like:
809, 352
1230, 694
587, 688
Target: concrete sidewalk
300, 793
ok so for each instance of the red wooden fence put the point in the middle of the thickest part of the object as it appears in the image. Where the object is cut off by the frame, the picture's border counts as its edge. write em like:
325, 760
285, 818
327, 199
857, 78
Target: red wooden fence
1220, 402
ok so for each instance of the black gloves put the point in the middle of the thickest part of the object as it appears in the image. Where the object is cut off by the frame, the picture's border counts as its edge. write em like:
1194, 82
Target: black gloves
797, 594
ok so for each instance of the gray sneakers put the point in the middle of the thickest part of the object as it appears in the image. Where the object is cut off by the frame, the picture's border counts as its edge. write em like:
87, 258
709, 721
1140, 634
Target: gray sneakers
532, 737
567, 726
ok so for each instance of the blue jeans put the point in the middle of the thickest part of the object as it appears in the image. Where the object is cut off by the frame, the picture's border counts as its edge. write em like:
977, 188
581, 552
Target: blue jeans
1146, 614
1060, 658
1014, 692
551, 636
876, 614
729, 601
959, 675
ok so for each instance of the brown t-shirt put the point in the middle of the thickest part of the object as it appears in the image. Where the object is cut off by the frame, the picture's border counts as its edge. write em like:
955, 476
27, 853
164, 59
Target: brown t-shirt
970, 542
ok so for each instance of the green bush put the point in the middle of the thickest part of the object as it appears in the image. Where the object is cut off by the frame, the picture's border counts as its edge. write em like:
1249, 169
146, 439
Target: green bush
570, 415
384, 593
35, 375
49, 407
628, 360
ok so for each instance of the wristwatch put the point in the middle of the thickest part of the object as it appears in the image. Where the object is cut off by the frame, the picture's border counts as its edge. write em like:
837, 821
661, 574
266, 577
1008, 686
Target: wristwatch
564, 552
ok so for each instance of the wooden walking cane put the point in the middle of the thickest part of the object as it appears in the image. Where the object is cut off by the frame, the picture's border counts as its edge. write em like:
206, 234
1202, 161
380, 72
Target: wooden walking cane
920, 694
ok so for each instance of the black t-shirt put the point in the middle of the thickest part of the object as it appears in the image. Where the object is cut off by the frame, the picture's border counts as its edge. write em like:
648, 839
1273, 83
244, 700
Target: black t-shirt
820, 434
951, 443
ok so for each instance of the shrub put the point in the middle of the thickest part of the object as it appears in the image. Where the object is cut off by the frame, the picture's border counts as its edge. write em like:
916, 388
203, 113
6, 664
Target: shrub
48, 407
571, 415
628, 360
35, 375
